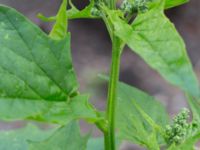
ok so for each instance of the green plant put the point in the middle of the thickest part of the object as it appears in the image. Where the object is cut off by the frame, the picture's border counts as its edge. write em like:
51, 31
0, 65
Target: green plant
38, 82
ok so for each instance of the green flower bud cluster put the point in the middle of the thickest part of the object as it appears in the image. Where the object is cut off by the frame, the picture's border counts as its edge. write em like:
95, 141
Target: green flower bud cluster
141, 5
127, 6
95, 9
176, 132
95, 12
180, 129
131, 6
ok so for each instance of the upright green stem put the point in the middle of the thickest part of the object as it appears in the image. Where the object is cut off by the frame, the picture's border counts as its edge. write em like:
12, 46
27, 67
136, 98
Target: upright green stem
111, 3
112, 94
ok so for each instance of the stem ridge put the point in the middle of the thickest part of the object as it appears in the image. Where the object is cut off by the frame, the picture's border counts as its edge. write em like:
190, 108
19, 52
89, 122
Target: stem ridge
112, 94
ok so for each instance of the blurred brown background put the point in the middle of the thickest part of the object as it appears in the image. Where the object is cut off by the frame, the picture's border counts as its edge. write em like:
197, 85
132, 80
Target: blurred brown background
91, 50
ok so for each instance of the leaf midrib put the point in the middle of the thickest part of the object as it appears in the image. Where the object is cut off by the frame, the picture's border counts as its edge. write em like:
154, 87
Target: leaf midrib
30, 49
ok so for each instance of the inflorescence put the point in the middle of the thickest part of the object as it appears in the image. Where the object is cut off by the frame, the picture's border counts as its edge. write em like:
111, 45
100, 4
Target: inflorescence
132, 6
95, 10
180, 129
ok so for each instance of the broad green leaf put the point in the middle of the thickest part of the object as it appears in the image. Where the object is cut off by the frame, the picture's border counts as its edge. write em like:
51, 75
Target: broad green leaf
65, 138
32, 65
35, 70
151, 142
137, 130
95, 144
37, 80
82, 109
39, 110
17, 139
64, 112
148, 119
194, 105
126, 97
153, 37
132, 125
45, 111
174, 3
59, 30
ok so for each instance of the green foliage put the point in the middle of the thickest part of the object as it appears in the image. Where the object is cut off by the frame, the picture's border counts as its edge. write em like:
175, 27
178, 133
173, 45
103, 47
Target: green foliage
74, 13
85, 13
95, 143
40, 70
18, 139
194, 105
164, 52
133, 125
45, 111
174, 3
38, 81
180, 135
59, 140
59, 30
127, 94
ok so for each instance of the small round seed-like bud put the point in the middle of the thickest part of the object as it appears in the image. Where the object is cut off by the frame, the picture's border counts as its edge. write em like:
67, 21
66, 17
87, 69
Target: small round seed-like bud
180, 128
141, 5
95, 12
177, 139
126, 6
